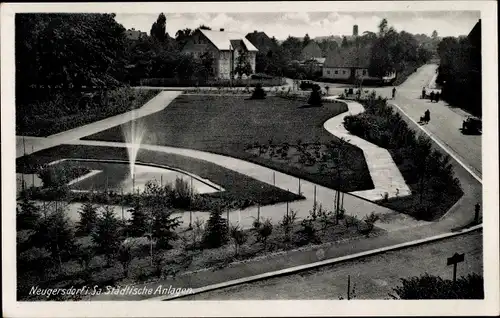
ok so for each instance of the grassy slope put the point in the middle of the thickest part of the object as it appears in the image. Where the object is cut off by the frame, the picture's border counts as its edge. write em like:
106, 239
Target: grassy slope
226, 124
238, 186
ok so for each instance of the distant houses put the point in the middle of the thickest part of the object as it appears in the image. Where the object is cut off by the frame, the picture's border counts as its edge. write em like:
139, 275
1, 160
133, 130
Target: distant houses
225, 48
351, 64
134, 34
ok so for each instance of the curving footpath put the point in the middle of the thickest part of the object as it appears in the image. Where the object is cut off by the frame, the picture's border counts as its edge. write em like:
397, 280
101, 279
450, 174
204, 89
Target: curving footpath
386, 176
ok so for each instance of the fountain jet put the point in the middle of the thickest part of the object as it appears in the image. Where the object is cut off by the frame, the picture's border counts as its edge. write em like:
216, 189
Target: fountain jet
133, 133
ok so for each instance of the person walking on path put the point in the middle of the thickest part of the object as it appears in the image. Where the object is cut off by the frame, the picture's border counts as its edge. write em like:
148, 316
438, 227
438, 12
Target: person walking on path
437, 97
423, 93
427, 116
393, 92
432, 96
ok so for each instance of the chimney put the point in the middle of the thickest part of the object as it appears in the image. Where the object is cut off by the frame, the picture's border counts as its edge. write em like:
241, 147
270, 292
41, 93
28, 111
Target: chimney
355, 30
222, 30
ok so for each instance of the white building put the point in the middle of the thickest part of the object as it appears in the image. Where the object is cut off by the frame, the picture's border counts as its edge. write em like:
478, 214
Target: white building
224, 47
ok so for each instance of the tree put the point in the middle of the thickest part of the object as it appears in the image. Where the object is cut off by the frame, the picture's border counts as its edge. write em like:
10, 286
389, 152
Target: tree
206, 69
54, 233
125, 257
383, 27
238, 236
434, 287
287, 223
204, 27
88, 219
138, 221
181, 36
163, 229
258, 92
27, 215
344, 42
216, 231
107, 236
293, 47
159, 27
68, 50
243, 66
306, 40
434, 34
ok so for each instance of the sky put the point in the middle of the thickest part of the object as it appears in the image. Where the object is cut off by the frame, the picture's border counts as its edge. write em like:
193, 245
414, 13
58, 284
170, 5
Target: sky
281, 24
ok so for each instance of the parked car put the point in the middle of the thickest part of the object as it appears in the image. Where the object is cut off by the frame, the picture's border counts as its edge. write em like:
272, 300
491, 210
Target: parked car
472, 125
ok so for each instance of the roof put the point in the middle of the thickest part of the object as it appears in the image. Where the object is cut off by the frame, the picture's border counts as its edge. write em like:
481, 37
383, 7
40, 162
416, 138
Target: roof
222, 39
349, 57
261, 41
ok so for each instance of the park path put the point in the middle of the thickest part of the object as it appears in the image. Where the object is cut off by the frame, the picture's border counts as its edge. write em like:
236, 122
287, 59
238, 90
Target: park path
385, 175
32, 144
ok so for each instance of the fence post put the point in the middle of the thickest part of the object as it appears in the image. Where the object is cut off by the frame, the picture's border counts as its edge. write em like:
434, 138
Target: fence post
274, 178
299, 186
258, 211
314, 194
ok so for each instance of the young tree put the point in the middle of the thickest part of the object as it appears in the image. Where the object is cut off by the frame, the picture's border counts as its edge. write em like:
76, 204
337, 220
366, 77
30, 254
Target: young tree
27, 215
287, 223
258, 92
216, 231
243, 66
238, 236
434, 34
88, 219
206, 66
138, 221
55, 234
264, 231
163, 228
107, 236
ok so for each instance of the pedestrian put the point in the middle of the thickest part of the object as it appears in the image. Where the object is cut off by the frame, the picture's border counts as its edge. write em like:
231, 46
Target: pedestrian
437, 97
393, 92
427, 116
432, 96
423, 93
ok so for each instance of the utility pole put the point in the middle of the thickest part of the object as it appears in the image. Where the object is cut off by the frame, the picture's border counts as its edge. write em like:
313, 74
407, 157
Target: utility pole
348, 287
477, 209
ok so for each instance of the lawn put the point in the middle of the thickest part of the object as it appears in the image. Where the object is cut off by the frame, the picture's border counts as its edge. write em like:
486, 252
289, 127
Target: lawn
229, 124
240, 190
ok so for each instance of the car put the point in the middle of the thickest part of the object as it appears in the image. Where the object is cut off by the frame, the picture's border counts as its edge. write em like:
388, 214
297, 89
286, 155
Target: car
472, 125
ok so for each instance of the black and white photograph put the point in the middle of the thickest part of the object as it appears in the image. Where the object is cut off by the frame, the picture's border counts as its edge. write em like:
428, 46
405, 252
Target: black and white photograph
247, 153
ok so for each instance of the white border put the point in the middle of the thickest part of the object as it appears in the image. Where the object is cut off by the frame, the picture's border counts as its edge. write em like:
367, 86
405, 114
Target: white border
490, 306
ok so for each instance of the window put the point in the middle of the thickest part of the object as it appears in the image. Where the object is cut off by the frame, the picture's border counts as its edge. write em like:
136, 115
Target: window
364, 72
336, 72
344, 72
328, 72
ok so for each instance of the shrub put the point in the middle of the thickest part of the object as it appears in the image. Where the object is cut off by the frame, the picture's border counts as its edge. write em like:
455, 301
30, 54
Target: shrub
434, 287
88, 219
307, 233
258, 92
315, 97
287, 223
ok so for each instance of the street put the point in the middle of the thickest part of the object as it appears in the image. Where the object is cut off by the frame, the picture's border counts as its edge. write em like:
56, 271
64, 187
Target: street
372, 277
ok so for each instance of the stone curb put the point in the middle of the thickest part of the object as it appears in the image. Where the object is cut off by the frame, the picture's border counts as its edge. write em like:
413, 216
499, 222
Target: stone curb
293, 270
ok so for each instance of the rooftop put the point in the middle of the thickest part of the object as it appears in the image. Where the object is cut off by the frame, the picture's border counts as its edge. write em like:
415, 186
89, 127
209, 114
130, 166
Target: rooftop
349, 57
223, 39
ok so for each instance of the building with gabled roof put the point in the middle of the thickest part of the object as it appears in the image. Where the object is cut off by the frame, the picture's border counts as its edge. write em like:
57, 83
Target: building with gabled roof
311, 50
351, 64
225, 48
262, 41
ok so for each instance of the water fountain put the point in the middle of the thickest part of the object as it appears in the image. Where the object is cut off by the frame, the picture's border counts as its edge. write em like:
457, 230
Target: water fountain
133, 133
